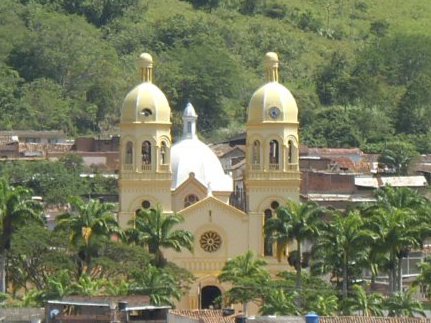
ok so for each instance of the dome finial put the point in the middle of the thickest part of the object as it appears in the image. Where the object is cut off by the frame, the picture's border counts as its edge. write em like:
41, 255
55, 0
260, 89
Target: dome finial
146, 68
271, 67
189, 122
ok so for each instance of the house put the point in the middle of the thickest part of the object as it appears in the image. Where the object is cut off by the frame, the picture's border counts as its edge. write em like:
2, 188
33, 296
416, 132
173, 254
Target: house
103, 309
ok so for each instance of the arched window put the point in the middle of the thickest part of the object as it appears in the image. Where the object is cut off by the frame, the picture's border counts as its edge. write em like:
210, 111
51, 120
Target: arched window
190, 199
128, 158
290, 153
163, 152
267, 246
256, 153
146, 153
273, 154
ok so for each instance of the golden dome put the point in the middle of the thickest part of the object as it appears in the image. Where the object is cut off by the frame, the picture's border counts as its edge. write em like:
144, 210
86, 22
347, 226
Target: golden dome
271, 60
145, 60
146, 102
272, 102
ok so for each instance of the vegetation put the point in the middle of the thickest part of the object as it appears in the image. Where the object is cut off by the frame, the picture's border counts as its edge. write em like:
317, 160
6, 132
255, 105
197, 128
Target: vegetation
359, 69
154, 230
80, 256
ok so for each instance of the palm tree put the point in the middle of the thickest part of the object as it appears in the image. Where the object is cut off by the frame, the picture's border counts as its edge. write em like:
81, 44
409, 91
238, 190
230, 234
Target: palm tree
155, 230
404, 304
345, 239
247, 275
85, 223
294, 222
158, 284
401, 220
277, 302
366, 304
16, 207
324, 306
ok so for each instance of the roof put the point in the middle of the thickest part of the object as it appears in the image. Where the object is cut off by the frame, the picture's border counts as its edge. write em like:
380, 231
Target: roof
396, 181
193, 156
205, 316
367, 319
222, 149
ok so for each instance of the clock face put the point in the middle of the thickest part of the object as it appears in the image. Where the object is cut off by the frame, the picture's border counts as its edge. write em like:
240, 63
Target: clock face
274, 112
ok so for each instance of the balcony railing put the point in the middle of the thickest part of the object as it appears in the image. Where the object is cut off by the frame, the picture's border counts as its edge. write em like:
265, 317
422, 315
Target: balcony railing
146, 167
128, 167
255, 167
274, 166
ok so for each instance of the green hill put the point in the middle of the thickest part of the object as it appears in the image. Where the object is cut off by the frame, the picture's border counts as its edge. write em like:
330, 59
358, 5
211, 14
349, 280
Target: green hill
360, 70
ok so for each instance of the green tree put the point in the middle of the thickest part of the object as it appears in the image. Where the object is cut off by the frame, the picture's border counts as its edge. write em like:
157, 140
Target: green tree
16, 209
397, 157
424, 279
404, 304
36, 254
85, 223
156, 231
294, 222
277, 302
247, 275
367, 304
343, 237
158, 284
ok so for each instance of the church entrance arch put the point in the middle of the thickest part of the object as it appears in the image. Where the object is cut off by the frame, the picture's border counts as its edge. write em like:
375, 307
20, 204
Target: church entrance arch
210, 297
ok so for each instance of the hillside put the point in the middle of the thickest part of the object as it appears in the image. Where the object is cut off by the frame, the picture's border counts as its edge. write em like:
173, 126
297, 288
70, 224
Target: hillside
360, 70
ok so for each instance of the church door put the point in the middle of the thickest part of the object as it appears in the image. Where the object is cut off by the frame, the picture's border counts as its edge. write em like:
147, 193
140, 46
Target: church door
210, 297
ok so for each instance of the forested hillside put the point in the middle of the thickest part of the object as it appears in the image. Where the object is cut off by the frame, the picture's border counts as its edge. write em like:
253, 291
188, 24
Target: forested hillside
360, 69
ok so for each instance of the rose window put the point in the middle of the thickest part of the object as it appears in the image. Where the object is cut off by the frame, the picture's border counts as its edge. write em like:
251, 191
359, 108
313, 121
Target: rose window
210, 241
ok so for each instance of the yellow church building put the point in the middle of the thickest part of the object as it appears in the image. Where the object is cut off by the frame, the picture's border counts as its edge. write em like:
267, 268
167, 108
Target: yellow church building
188, 178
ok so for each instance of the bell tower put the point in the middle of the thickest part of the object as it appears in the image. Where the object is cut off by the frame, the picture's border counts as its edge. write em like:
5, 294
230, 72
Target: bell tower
145, 142
272, 174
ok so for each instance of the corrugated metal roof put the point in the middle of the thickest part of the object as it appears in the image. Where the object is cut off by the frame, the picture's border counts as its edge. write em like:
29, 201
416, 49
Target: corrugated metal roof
410, 181
396, 181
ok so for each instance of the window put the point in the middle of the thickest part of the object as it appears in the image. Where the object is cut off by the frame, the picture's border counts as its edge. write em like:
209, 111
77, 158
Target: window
189, 127
163, 153
190, 199
273, 152
267, 246
146, 153
290, 152
146, 205
129, 153
256, 153
146, 112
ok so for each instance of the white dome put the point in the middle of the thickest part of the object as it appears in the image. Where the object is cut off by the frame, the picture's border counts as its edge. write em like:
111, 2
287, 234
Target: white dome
193, 156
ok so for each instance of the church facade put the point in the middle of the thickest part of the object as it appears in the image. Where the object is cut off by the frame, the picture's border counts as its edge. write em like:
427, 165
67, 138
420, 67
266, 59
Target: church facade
187, 177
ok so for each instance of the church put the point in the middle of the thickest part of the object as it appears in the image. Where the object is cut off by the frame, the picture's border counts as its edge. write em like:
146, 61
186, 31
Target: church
188, 178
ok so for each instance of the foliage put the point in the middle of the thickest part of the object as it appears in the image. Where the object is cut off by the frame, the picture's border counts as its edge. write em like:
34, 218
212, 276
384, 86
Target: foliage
36, 254
397, 157
85, 223
247, 276
155, 230
16, 209
294, 222
278, 302
404, 304
159, 285
367, 304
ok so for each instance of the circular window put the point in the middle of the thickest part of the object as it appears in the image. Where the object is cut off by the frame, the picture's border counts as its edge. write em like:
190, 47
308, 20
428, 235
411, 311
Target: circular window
146, 112
210, 241
146, 204
274, 205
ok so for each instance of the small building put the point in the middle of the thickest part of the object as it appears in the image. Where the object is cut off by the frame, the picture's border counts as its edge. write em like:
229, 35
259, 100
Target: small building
104, 309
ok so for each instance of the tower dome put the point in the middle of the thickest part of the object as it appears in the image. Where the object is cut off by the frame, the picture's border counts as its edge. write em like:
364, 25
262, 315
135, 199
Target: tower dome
146, 103
191, 155
272, 102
